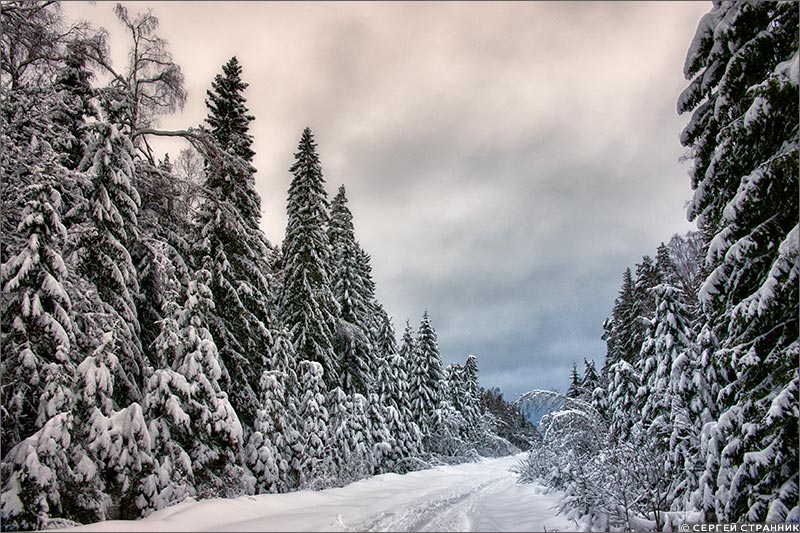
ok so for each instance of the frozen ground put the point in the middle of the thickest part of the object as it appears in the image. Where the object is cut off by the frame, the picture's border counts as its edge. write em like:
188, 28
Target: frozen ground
470, 497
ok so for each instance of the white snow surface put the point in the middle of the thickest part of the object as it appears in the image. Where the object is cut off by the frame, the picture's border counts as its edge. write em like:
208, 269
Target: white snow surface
480, 496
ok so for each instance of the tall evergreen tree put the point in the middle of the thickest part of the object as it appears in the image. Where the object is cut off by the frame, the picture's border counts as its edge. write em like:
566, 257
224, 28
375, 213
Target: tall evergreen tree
349, 286
110, 228
590, 379
662, 405
395, 395
197, 415
574, 390
742, 137
37, 333
269, 448
354, 292
426, 375
314, 461
308, 307
73, 83
229, 118
470, 403
232, 247
620, 329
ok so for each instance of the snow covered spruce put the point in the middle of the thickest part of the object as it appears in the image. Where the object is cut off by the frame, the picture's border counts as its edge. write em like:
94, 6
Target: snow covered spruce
157, 347
694, 415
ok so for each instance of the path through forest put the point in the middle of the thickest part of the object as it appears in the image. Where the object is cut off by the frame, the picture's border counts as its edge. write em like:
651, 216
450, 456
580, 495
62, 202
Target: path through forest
480, 496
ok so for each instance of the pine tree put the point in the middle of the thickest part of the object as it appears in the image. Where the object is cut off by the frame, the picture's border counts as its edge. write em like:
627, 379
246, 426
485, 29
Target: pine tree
35, 474
669, 336
217, 433
470, 402
666, 420
693, 389
590, 379
426, 375
111, 449
379, 442
387, 342
73, 84
232, 247
161, 252
575, 388
37, 328
111, 209
268, 450
168, 404
665, 265
354, 293
456, 387
357, 433
706, 383
405, 365
349, 288
314, 462
376, 310
197, 435
394, 395
229, 118
339, 408
623, 385
308, 308
648, 276
742, 139
620, 329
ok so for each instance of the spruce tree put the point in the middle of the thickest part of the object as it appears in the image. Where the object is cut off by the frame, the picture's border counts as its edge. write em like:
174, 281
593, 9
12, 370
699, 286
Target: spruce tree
395, 396
268, 451
161, 252
354, 292
308, 307
231, 246
669, 336
73, 84
379, 441
623, 410
314, 463
742, 137
37, 333
349, 287
339, 408
620, 329
575, 389
707, 382
426, 375
664, 410
590, 379
110, 228
470, 401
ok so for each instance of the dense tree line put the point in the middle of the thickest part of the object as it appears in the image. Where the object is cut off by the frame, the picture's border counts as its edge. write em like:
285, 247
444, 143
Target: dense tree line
694, 415
156, 345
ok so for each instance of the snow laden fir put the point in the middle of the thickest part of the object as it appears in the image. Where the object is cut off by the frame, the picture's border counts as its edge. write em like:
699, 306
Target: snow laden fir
156, 345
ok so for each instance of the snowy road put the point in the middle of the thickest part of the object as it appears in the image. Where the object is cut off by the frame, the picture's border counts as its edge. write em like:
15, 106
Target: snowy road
471, 497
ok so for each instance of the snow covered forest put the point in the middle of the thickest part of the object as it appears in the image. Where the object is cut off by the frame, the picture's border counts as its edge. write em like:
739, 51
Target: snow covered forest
158, 347
693, 416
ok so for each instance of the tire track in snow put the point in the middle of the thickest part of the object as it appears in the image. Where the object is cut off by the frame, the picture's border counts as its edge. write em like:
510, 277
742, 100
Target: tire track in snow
445, 511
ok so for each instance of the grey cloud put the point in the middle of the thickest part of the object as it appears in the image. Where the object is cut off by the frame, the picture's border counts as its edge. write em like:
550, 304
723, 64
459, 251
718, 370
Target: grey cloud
504, 161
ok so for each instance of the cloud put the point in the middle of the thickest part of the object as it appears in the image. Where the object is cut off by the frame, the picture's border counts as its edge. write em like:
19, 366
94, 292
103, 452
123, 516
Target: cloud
505, 162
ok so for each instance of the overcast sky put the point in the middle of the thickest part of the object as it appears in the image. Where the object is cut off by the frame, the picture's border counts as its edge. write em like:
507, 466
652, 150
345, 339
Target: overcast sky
505, 162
